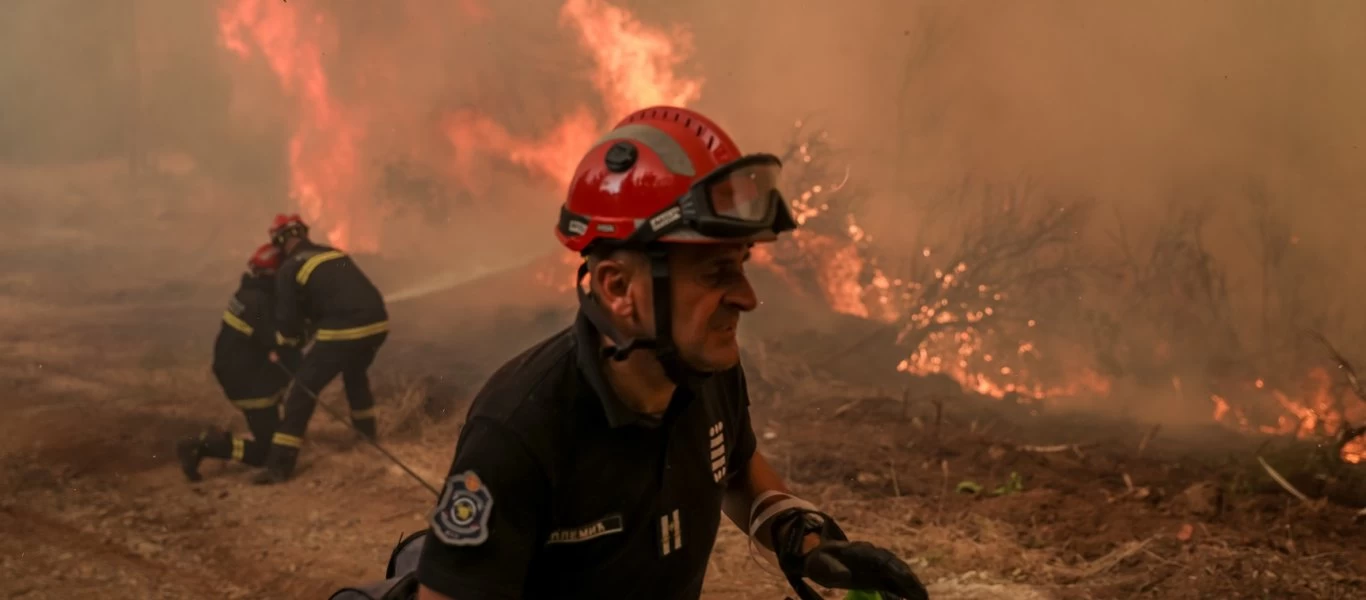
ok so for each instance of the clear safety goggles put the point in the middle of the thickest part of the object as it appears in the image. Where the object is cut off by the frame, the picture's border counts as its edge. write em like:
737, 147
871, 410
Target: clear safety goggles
737, 201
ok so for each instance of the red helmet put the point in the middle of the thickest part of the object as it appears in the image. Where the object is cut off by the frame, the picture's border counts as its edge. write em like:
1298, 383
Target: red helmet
667, 174
265, 261
285, 225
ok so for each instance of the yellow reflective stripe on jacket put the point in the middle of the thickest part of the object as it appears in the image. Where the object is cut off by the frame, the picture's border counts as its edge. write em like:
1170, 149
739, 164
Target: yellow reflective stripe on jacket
285, 341
238, 449
256, 403
284, 439
236, 322
313, 262
362, 414
354, 333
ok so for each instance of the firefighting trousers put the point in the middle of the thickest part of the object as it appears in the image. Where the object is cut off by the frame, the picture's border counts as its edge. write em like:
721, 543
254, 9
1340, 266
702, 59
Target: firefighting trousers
262, 422
325, 360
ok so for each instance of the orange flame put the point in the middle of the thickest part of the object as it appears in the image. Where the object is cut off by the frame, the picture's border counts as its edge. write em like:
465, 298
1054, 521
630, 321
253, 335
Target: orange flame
634, 69
324, 150
1317, 412
635, 63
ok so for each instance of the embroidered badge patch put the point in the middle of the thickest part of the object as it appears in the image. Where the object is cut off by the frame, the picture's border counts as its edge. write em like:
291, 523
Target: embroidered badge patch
461, 517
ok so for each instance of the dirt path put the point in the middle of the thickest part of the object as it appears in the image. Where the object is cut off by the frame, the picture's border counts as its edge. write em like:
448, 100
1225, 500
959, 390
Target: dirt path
94, 506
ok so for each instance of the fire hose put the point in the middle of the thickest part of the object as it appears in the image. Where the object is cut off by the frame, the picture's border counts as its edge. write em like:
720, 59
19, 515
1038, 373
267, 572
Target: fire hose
344, 421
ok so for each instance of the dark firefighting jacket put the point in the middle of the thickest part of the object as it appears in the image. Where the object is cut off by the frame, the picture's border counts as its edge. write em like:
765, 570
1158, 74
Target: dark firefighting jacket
323, 287
241, 353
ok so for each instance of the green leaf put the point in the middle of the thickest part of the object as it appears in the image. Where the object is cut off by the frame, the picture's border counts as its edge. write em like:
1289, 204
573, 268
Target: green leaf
1013, 485
862, 595
968, 487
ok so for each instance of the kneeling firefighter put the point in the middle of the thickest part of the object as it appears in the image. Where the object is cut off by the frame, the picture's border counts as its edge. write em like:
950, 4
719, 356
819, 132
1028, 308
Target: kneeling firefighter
324, 287
242, 364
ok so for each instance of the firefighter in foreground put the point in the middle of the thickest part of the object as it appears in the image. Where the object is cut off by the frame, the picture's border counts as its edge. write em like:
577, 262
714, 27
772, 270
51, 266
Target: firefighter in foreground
243, 366
321, 291
597, 464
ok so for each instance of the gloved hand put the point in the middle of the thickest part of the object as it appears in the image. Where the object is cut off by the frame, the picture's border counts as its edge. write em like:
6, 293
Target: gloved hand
836, 562
862, 566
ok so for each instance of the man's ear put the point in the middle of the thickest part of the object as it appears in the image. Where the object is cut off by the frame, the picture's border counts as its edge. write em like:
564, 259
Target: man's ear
611, 280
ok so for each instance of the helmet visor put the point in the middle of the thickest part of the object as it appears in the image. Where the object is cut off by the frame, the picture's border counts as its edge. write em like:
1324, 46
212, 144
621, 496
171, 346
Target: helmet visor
749, 193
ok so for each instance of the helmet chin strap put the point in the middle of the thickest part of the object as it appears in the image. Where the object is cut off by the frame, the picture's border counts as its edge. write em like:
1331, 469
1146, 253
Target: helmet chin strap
665, 350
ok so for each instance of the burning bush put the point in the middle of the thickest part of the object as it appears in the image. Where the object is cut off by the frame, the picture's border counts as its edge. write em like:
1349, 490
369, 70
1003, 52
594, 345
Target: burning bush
1009, 298
967, 305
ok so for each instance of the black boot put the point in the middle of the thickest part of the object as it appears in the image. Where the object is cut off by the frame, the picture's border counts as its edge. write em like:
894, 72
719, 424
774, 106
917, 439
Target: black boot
279, 465
190, 451
213, 443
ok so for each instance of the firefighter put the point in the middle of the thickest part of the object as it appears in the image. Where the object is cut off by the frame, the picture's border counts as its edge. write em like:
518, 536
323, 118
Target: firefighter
322, 292
242, 364
598, 463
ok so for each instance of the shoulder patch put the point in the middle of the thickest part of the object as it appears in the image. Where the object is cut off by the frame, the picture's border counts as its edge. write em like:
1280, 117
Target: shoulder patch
461, 517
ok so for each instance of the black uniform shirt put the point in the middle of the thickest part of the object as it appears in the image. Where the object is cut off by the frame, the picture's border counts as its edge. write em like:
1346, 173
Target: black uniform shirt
248, 325
326, 287
241, 352
558, 490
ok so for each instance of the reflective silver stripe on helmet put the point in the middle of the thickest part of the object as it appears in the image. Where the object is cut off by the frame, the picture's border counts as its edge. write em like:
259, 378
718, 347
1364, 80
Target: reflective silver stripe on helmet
669, 150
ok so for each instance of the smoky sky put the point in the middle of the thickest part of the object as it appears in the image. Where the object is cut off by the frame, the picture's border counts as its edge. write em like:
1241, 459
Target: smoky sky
1133, 104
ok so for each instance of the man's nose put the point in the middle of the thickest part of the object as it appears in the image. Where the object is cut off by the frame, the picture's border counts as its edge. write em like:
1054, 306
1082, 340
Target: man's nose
742, 296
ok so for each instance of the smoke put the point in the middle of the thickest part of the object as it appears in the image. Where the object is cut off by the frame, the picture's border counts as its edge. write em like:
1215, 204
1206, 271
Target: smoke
437, 134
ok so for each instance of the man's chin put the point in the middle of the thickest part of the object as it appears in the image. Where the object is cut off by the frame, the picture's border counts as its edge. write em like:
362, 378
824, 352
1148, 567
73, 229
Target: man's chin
715, 360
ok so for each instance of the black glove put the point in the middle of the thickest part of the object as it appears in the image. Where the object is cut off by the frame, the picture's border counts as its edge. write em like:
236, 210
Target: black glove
862, 566
836, 562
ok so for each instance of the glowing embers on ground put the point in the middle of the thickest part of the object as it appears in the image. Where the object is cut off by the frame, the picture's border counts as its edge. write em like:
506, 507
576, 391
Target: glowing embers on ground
965, 356
954, 325
1320, 411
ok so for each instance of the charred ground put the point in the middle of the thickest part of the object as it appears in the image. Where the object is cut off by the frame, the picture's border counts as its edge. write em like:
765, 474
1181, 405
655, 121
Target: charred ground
989, 499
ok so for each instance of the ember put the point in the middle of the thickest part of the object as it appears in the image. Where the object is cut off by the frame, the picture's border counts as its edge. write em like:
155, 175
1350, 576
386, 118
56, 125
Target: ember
1319, 410
957, 320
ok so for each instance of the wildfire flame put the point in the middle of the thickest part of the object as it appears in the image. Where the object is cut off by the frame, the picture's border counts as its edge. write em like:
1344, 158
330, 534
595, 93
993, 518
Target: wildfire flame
325, 148
635, 66
634, 69
1318, 411
851, 284
979, 356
